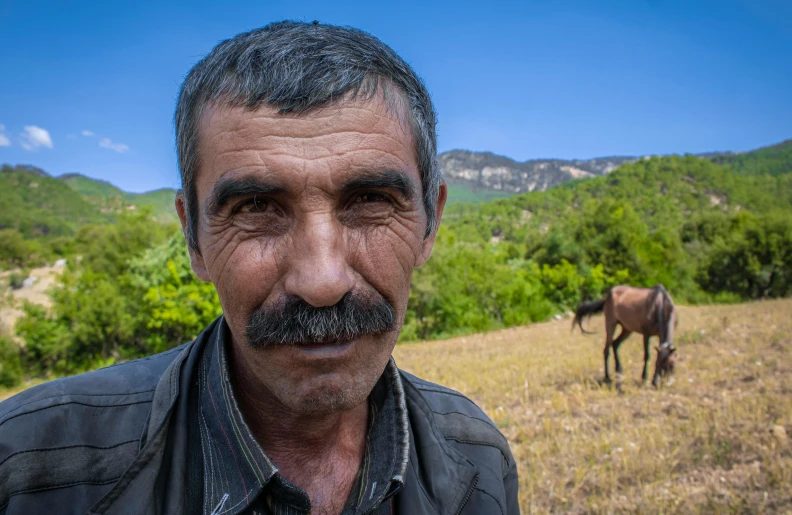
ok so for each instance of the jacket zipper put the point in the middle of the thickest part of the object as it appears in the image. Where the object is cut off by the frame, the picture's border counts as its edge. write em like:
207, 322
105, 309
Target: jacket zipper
469, 493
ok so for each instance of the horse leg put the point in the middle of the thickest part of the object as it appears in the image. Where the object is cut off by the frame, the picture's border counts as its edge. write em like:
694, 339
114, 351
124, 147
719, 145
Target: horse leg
610, 326
645, 375
656, 378
616, 343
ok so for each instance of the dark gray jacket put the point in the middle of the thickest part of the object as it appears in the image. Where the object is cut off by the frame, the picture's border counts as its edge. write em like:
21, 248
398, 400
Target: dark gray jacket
114, 441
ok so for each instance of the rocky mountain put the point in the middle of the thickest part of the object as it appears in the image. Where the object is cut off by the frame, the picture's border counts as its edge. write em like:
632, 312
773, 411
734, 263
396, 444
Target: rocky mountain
484, 175
489, 171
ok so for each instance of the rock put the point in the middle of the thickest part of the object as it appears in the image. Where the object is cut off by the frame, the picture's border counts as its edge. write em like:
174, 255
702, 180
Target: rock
30, 281
779, 433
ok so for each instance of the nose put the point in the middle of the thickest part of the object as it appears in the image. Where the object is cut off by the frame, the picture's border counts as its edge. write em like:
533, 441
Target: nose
318, 267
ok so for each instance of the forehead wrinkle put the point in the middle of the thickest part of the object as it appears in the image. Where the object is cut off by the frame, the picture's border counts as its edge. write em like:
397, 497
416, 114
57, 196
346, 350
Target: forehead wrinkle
322, 117
330, 134
334, 143
382, 99
274, 160
345, 155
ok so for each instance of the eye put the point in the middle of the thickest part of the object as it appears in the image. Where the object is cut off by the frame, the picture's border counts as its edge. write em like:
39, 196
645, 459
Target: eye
255, 205
371, 197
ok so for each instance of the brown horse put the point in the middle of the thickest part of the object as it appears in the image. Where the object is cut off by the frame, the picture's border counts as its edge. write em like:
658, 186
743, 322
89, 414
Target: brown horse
649, 311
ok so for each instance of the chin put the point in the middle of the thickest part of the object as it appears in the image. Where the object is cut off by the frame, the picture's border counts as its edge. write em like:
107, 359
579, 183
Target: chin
325, 395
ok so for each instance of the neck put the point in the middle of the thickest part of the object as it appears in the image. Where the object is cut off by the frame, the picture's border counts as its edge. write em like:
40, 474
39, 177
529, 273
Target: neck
297, 439
319, 452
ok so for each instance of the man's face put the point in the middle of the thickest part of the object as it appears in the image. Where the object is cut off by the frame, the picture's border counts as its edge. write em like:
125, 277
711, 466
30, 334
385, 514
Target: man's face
314, 207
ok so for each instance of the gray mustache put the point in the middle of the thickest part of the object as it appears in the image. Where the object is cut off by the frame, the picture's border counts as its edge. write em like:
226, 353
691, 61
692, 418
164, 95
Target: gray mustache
293, 321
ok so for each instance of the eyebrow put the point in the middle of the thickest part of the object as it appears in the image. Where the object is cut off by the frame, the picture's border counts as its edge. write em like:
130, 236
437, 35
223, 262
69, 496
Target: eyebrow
229, 188
386, 180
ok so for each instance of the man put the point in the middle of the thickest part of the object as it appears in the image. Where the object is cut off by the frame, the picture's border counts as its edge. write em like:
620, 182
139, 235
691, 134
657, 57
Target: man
310, 193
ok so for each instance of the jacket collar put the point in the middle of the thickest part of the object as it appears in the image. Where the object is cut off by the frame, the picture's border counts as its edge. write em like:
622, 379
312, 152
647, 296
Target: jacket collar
439, 477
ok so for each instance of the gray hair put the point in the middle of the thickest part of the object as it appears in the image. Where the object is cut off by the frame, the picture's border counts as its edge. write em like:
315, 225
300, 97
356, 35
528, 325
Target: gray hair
295, 67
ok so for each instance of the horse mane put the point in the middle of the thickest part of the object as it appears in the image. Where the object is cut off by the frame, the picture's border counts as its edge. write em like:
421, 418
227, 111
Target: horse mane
664, 315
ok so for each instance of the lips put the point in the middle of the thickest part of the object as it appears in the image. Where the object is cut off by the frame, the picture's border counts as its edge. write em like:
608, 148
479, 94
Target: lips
329, 349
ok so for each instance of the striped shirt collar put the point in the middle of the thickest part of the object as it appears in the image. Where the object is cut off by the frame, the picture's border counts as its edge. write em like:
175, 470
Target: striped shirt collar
238, 476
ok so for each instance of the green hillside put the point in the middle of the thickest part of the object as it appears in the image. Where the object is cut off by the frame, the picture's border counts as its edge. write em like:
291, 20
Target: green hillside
772, 160
465, 193
101, 194
161, 202
37, 205
112, 200
41, 217
89, 187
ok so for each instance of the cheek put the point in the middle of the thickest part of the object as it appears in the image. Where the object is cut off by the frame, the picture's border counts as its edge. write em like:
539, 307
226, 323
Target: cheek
385, 258
245, 274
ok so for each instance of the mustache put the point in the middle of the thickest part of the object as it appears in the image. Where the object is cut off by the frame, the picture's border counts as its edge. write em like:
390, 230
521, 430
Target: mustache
293, 321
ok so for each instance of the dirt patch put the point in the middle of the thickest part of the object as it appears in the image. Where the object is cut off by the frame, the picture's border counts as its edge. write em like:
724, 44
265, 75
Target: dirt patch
39, 282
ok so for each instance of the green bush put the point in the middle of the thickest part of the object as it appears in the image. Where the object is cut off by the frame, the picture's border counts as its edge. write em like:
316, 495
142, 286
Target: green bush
16, 280
10, 363
753, 260
15, 251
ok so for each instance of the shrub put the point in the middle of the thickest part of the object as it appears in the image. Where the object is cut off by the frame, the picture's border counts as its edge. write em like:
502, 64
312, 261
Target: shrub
10, 363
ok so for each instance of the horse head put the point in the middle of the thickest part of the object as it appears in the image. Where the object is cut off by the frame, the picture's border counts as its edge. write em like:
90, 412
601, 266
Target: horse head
664, 366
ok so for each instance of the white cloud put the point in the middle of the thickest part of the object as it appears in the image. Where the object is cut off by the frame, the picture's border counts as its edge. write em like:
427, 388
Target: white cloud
4, 141
87, 133
118, 147
35, 137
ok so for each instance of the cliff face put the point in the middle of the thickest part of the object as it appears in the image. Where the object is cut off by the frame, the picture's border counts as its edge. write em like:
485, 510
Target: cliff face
485, 170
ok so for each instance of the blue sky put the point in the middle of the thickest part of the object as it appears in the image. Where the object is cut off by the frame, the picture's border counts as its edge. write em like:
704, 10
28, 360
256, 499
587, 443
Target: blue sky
89, 87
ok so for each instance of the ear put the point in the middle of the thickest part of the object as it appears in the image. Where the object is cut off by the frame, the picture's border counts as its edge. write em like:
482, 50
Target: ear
672, 352
657, 349
428, 243
196, 260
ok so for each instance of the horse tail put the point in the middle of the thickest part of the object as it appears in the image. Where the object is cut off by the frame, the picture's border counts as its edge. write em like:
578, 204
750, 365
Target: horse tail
585, 310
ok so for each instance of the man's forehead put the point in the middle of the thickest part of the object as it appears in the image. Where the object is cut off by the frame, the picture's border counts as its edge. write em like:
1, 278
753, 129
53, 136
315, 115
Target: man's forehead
380, 113
351, 133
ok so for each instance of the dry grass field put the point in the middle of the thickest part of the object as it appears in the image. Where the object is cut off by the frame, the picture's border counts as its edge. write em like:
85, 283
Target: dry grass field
713, 441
